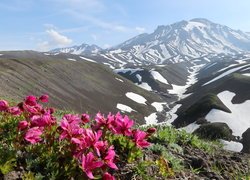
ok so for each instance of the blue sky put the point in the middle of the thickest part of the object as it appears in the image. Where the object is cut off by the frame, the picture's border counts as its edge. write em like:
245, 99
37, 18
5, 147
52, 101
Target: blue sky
46, 24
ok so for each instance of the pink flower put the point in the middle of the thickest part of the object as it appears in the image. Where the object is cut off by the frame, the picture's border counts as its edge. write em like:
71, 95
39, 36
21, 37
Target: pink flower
89, 164
85, 118
151, 130
15, 111
33, 135
109, 158
108, 176
44, 98
100, 146
41, 120
123, 125
22, 125
3, 105
31, 100
72, 119
92, 137
139, 139
69, 130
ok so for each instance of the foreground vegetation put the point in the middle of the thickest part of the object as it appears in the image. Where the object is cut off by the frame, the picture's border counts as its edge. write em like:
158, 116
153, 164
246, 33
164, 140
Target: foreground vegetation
39, 143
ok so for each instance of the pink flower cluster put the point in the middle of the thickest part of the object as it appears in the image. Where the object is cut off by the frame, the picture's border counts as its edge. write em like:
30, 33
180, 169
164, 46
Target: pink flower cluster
86, 140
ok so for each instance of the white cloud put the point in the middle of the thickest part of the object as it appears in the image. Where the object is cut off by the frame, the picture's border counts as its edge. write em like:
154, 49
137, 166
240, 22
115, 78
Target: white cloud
140, 29
58, 38
53, 40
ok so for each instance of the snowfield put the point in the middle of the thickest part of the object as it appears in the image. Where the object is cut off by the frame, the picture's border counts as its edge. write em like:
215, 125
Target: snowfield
136, 97
225, 74
124, 108
157, 76
238, 120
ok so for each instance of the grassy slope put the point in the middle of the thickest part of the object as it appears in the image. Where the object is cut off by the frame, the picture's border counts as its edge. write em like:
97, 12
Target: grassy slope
79, 86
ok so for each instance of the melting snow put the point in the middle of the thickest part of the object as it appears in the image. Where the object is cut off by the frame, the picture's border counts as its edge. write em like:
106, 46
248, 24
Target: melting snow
225, 74
87, 59
191, 127
232, 145
46, 54
159, 106
172, 114
138, 77
112, 67
151, 119
231, 65
145, 86
246, 74
159, 77
127, 70
180, 90
123, 107
70, 59
119, 79
238, 120
136, 97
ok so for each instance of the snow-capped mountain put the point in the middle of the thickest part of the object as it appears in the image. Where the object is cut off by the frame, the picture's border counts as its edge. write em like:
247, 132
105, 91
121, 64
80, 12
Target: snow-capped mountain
173, 43
84, 49
181, 41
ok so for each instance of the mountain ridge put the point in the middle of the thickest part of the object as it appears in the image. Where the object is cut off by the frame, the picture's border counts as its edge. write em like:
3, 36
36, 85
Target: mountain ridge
177, 42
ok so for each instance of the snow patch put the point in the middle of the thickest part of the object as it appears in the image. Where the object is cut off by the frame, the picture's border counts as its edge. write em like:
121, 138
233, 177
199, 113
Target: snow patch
139, 77
119, 79
172, 113
145, 86
232, 145
225, 74
136, 97
127, 70
246, 74
191, 127
70, 59
112, 67
238, 120
123, 108
87, 59
151, 119
159, 106
159, 77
